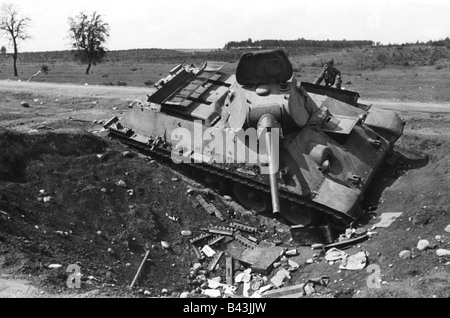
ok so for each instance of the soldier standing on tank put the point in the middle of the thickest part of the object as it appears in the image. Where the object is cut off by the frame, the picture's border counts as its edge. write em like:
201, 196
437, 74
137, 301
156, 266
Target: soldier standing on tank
330, 74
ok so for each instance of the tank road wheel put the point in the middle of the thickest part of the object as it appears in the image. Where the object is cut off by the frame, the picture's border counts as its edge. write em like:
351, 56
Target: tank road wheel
298, 214
250, 198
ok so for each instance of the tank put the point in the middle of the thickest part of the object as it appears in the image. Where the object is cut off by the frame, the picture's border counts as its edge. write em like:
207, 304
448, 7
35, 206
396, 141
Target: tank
293, 150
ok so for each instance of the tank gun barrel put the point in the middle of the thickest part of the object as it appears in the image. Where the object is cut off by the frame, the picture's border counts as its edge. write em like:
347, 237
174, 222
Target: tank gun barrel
268, 122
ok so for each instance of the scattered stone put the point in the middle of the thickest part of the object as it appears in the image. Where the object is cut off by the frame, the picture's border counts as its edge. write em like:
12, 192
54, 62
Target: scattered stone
227, 197
47, 199
165, 245
405, 254
174, 179
447, 228
309, 289
442, 252
42, 192
280, 277
438, 237
309, 261
422, 245
355, 262
208, 251
186, 233
121, 183
335, 254
292, 252
110, 250
184, 295
164, 291
54, 266
147, 293
293, 265
99, 232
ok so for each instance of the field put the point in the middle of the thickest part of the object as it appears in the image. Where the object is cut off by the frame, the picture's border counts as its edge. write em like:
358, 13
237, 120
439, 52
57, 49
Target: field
57, 145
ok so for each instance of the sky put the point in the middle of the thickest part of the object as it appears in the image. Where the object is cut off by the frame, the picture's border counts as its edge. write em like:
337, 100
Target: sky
207, 24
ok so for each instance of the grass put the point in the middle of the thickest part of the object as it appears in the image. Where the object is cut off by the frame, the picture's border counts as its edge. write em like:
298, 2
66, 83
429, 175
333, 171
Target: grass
374, 72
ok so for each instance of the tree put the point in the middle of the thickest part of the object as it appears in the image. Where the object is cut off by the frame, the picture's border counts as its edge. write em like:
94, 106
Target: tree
14, 26
88, 35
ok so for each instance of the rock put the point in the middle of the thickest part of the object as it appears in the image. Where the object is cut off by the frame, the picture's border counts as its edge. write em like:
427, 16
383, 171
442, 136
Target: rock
126, 154
309, 289
165, 245
186, 233
47, 199
164, 291
442, 252
146, 292
23, 104
227, 197
42, 192
438, 237
292, 252
405, 254
184, 295
121, 183
447, 228
422, 245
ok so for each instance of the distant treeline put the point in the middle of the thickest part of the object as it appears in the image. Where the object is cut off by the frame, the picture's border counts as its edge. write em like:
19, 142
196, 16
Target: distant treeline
152, 55
303, 43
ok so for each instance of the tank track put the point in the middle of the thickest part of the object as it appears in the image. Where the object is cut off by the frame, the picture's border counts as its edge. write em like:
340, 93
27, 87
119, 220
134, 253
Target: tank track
228, 174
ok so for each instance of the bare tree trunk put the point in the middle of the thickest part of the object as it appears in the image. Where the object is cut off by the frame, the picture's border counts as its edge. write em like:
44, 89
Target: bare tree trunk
88, 68
15, 61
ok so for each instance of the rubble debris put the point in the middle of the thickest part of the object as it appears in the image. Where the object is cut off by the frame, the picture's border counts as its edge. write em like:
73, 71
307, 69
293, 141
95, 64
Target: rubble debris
295, 291
347, 243
291, 252
309, 289
317, 246
253, 239
210, 208
261, 259
256, 283
243, 227
442, 252
278, 279
140, 269
47, 199
354, 262
293, 266
200, 238
221, 230
229, 269
209, 252
121, 183
165, 244
335, 254
173, 217
215, 260
198, 253
405, 254
244, 241
387, 219
422, 245
311, 235
216, 239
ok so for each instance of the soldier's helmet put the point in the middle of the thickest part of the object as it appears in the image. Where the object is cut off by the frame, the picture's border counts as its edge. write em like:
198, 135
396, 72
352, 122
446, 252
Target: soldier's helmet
329, 61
